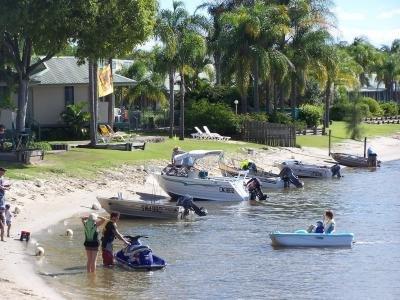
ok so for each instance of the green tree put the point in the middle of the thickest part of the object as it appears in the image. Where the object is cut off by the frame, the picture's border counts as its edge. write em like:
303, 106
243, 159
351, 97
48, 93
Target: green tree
388, 68
109, 29
249, 38
30, 28
76, 118
183, 43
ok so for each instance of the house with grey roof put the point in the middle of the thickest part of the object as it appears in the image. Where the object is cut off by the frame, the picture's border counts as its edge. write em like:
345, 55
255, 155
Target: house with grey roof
59, 82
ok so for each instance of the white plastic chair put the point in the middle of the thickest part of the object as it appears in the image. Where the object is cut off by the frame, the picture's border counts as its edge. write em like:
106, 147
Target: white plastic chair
215, 135
199, 134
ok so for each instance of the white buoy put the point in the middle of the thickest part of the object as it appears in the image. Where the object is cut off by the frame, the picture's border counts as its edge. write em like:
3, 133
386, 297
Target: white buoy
95, 206
39, 251
69, 232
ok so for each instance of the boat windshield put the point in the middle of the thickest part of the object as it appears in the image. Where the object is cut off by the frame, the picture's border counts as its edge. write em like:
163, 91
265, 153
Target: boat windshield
189, 158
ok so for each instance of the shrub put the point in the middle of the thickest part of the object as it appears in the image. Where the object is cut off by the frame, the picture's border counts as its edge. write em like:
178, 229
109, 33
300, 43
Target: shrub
389, 108
74, 117
300, 125
280, 117
45, 146
373, 106
310, 114
339, 111
219, 117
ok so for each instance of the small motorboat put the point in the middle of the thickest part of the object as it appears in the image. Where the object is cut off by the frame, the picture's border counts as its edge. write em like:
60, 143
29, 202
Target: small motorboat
183, 178
151, 206
302, 238
137, 256
309, 170
355, 161
268, 180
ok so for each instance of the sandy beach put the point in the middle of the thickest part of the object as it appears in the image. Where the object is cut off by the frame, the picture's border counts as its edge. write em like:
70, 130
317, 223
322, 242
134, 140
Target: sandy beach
46, 202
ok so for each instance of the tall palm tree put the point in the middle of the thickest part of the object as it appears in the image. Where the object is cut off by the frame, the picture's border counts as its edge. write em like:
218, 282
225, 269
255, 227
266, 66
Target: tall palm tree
169, 26
249, 38
388, 69
183, 42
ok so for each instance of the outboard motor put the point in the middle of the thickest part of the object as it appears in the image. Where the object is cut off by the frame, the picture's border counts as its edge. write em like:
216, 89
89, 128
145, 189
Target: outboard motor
254, 187
288, 177
335, 169
187, 203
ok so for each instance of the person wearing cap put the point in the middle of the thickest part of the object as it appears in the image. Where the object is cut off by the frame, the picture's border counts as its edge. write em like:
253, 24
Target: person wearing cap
91, 224
3, 187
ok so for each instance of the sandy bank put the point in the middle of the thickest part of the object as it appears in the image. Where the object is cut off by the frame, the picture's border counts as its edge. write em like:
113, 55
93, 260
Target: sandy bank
45, 202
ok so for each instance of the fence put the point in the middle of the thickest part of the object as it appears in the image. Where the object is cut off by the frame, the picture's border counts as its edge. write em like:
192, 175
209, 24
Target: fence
270, 134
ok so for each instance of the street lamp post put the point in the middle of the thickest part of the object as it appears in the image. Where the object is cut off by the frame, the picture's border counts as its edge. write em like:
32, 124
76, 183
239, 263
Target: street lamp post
236, 104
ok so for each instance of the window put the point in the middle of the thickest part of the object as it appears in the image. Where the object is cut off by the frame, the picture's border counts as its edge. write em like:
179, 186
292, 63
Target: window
69, 95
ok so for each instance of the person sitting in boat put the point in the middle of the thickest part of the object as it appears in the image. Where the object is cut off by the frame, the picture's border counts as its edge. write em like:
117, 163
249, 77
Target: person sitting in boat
329, 222
320, 227
248, 165
177, 150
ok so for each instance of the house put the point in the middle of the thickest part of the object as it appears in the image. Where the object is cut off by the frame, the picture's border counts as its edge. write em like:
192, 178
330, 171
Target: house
60, 82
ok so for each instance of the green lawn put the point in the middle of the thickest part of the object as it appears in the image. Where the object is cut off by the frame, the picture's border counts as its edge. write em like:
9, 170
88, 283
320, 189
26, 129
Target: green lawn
339, 134
80, 162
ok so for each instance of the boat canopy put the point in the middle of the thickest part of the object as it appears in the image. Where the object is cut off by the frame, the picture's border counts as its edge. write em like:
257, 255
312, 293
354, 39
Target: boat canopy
197, 154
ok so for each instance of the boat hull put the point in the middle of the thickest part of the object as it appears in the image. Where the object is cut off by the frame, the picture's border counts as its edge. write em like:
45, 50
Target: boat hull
307, 171
140, 209
212, 189
311, 239
349, 160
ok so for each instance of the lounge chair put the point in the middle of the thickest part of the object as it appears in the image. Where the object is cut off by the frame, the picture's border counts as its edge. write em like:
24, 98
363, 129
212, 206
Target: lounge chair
107, 135
215, 135
199, 134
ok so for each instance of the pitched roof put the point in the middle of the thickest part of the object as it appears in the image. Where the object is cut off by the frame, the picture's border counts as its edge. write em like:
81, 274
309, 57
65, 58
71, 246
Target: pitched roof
64, 70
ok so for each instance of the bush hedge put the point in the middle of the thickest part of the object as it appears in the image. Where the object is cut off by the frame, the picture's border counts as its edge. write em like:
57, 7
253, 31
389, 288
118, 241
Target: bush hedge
310, 114
389, 108
373, 105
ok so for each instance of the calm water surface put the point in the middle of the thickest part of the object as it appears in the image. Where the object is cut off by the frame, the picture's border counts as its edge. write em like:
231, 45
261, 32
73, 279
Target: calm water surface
227, 255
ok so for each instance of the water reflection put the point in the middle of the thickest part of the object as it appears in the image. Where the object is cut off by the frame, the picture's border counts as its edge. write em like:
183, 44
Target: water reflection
228, 253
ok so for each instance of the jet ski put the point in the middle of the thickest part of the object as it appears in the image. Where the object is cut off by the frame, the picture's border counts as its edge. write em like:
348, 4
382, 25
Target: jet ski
137, 256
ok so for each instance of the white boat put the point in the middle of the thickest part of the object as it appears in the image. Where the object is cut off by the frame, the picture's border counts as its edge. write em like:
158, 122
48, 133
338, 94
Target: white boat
304, 239
179, 181
306, 170
137, 208
268, 180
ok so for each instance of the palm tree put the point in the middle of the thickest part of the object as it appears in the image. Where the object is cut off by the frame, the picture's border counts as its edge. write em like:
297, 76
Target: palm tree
309, 20
249, 38
366, 55
388, 68
169, 26
182, 43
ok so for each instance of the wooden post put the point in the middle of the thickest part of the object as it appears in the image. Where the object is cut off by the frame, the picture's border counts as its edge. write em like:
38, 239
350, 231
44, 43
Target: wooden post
365, 147
329, 146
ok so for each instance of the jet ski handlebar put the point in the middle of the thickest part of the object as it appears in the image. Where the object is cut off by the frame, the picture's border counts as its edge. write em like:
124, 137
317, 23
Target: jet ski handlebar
135, 238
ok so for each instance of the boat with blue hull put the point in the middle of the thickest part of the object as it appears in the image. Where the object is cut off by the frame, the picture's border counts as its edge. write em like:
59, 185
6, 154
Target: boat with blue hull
305, 239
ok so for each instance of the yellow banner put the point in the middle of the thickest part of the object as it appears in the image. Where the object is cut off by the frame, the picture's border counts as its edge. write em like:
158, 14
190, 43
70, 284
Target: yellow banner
104, 81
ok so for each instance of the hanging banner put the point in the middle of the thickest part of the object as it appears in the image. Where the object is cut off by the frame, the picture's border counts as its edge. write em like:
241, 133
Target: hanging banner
105, 82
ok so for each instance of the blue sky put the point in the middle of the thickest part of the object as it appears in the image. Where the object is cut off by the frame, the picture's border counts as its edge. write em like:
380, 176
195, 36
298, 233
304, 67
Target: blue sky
378, 20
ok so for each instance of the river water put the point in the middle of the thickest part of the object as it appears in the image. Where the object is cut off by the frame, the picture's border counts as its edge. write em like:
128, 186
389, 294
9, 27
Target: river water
227, 254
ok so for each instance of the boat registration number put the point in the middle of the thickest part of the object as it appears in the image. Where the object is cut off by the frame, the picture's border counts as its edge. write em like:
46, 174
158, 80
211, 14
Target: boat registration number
151, 208
227, 190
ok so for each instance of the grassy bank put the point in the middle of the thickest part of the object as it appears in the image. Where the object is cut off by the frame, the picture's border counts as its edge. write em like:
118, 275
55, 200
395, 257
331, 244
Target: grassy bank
80, 162
339, 134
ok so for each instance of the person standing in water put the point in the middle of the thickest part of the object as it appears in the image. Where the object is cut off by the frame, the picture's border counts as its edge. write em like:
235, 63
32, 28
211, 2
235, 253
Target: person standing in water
109, 234
92, 241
